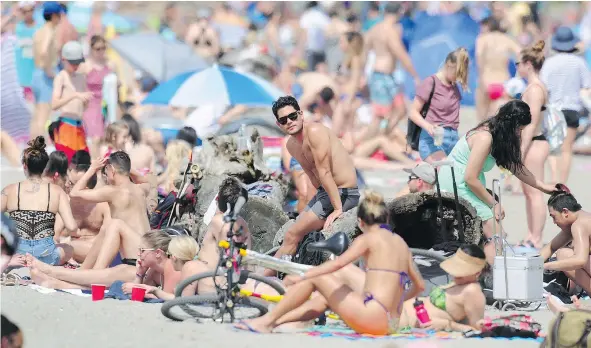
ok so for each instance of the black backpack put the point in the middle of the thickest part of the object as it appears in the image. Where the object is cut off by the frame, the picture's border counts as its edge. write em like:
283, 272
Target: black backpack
162, 212
312, 258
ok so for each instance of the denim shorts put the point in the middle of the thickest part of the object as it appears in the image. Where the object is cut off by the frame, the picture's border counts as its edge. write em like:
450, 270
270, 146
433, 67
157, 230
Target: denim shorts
42, 249
427, 145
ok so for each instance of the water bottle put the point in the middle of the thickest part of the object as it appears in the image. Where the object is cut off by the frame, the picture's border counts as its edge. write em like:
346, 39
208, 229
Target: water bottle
422, 314
242, 139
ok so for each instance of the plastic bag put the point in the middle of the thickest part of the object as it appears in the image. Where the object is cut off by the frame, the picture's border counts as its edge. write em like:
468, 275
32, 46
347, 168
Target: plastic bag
554, 127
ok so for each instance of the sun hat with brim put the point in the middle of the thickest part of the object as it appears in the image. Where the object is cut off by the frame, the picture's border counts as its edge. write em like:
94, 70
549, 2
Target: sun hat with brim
73, 52
462, 264
564, 40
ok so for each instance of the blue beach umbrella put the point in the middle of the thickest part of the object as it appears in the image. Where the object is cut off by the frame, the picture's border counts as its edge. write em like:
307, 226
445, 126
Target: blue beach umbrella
214, 86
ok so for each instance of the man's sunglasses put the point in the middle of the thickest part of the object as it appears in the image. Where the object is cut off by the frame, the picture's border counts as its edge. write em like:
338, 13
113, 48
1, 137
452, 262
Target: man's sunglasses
412, 177
293, 116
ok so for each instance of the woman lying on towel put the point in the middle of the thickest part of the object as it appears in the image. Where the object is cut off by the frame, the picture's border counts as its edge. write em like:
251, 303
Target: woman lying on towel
458, 306
375, 312
151, 254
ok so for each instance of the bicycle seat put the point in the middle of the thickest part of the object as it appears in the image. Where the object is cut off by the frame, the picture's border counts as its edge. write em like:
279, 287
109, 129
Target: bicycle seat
336, 244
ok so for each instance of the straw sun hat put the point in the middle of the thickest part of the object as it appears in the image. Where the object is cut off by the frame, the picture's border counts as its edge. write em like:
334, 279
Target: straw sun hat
462, 264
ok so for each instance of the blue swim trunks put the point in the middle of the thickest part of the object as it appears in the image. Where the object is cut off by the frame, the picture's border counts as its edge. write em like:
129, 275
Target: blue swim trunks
42, 86
383, 90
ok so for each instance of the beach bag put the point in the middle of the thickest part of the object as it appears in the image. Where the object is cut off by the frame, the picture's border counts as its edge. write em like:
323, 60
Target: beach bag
413, 131
509, 326
570, 329
554, 127
162, 212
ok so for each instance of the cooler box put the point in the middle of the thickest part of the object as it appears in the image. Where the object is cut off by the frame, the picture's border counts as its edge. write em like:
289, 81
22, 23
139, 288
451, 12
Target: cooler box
525, 277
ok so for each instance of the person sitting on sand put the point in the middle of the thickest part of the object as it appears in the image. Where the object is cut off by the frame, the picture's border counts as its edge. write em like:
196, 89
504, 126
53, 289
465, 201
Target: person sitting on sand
181, 250
575, 226
33, 204
127, 204
377, 312
56, 170
458, 306
154, 245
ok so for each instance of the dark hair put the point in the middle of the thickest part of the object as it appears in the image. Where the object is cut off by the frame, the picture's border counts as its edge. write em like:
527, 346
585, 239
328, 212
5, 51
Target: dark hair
491, 23
311, 4
188, 134
134, 128
83, 168
333, 14
35, 157
560, 200
96, 39
47, 16
230, 190
8, 327
121, 162
53, 127
284, 101
392, 7
80, 157
506, 135
374, 6
326, 94
534, 54
372, 210
352, 18
58, 163
474, 251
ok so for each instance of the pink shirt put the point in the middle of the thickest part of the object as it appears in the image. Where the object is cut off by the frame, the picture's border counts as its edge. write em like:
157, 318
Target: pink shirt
445, 105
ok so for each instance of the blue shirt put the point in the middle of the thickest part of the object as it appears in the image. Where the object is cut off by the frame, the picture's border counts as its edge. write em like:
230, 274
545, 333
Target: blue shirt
24, 52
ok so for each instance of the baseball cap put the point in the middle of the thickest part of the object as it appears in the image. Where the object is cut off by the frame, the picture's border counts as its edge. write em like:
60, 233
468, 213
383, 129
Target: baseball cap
25, 4
73, 52
423, 171
52, 7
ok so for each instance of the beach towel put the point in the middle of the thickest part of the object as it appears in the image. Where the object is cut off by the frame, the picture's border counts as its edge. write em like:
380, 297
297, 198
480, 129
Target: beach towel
259, 190
116, 292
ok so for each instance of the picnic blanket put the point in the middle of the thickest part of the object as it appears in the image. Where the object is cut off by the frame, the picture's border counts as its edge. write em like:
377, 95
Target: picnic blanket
412, 334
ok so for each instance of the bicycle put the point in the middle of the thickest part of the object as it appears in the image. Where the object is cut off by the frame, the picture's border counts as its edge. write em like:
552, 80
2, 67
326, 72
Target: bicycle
227, 298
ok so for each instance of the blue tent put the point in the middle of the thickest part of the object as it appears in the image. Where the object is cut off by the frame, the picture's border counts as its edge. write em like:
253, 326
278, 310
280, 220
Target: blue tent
433, 38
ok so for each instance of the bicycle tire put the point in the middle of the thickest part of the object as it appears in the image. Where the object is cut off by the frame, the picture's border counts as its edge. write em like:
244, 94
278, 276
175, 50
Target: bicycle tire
201, 300
210, 274
428, 253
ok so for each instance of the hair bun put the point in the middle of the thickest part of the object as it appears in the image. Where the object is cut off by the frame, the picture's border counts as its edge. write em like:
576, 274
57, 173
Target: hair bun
539, 46
37, 144
373, 197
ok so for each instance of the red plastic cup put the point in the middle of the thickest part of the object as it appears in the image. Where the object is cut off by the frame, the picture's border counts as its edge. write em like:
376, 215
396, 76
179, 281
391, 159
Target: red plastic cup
98, 291
138, 294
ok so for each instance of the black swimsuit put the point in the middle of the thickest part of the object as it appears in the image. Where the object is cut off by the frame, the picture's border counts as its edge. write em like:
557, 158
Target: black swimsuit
33, 224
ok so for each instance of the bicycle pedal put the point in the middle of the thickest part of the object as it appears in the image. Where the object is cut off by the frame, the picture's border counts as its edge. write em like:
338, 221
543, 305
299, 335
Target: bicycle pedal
321, 320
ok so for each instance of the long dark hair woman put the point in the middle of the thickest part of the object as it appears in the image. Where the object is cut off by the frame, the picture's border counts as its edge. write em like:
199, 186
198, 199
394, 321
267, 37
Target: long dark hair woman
56, 170
33, 204
494, 141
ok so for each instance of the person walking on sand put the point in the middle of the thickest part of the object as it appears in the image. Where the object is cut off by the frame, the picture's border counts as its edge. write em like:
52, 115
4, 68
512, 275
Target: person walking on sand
320, 153
128, 207
24, 31
385, 40
444, 111
494, 49
71, 98
45, 53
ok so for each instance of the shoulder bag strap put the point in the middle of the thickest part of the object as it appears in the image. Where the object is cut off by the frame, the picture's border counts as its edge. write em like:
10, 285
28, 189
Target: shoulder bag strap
427, 104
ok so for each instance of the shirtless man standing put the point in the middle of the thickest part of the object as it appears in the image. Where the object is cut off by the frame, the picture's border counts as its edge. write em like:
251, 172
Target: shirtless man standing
327, 164
127, 204
575, 225
45, 54
385, 40
71, 98
493, 51
217, 230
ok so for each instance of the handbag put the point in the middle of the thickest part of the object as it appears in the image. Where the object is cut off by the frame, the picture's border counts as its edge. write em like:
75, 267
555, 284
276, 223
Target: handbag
413, 131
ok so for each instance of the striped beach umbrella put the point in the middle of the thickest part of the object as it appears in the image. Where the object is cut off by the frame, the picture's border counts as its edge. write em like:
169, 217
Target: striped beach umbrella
215, 85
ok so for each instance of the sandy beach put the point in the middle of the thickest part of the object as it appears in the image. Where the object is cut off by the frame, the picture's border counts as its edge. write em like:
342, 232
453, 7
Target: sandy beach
63, 320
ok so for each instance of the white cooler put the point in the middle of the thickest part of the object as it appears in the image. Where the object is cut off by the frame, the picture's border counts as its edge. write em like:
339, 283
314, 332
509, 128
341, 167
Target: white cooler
525, 275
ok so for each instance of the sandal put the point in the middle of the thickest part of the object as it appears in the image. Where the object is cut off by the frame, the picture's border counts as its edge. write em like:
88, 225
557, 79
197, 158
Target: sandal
12, 279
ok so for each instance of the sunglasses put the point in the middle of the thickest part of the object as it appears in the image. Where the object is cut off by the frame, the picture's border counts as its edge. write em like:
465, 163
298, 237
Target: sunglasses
293, 116
412, 177
99, 48
141, 250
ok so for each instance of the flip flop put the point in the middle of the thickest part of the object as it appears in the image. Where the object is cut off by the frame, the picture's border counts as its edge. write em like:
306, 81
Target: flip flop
248, 327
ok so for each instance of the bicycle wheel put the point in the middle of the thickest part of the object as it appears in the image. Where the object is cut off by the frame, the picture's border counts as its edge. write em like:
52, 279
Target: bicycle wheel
256, 277
209, 307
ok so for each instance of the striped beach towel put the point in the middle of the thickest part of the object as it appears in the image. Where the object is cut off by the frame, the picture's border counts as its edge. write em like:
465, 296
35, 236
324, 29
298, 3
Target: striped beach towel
15, 116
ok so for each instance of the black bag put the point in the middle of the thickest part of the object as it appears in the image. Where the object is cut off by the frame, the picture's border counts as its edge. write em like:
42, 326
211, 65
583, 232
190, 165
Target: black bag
162, 212
413, 132
312, 258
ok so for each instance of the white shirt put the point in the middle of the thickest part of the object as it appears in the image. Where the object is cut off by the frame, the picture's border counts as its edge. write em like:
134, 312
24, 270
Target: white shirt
315, 22
204, 119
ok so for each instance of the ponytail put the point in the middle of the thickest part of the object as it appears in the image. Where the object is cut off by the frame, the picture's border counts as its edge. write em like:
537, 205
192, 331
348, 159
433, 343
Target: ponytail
461, 58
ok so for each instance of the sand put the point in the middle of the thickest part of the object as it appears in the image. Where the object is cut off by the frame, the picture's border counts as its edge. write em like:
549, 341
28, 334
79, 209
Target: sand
63, 320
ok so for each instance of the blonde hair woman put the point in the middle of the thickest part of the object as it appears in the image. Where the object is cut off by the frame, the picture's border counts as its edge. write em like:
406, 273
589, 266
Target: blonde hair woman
176, 154
444, 110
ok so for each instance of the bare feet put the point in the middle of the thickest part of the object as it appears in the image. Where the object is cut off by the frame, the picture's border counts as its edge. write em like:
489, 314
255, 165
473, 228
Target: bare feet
40, 278
40, 266
257, 325
555, 306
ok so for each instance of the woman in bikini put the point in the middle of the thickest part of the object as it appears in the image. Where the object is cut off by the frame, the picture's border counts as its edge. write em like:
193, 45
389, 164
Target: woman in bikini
153, 248
534, 146
33, 204
377, 311
458, 306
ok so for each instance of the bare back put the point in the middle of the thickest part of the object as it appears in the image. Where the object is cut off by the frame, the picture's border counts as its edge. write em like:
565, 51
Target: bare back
341, 164
493, 52
45, 57
130, 206
89, 217
378, 41
142, 156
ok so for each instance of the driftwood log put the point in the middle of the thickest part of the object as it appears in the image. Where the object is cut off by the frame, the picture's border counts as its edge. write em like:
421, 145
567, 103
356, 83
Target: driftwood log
219, 159
415, 219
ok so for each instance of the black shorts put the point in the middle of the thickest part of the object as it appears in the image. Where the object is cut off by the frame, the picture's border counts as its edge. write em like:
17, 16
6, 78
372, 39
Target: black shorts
572, 118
